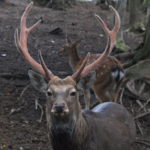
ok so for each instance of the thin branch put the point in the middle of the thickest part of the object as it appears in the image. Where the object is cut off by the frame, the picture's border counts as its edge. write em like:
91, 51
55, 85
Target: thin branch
133, 91
140, 142
142, 115
42, 112
121, 102
24, 90
144, 105
142, 87
10, 75
140, 91
140, 104
138, 125
126, 55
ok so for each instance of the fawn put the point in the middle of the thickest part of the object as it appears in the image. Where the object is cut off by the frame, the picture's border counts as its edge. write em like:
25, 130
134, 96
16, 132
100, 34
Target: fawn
109, 75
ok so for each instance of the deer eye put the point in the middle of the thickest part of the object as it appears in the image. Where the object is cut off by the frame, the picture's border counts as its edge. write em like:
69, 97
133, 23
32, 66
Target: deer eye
72, 93
49, 93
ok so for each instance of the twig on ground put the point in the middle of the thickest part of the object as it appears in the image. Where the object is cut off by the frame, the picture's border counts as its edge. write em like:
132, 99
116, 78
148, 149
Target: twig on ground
140, 142
142, 115
24, 90
121, 102
144, 105
140, 104
10, 75
142, 87
36, 103
126, 55
129, 86
140, 34
147, 81
146, 140
140, 91
138, 125
42, 112
14, 110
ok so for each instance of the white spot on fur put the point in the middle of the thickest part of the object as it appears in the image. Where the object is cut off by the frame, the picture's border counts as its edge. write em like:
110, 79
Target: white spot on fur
107, 93
121, 75
67, 110
52, 110
101, 73
104, 66
114, 74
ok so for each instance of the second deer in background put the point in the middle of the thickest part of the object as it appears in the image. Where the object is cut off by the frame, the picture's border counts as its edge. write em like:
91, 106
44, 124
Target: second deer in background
109, 75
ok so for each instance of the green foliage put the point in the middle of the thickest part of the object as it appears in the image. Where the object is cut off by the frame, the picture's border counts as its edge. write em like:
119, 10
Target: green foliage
120, 45
144, 2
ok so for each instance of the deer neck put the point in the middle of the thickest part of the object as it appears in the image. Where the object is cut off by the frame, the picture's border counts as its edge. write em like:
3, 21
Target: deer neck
71, 135
74, 58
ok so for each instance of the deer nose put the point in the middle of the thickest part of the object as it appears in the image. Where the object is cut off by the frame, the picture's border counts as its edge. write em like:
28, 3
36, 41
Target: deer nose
59, 108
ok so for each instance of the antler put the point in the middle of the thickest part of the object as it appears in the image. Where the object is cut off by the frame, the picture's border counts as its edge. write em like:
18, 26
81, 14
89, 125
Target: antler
22, 45
110, 43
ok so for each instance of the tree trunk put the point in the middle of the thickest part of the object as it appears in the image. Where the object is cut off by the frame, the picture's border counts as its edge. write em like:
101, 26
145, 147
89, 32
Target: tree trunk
148, 9
104, 3
108, 2
144, 52
55, 4
120, 44
139, 71
135, 21
139, 66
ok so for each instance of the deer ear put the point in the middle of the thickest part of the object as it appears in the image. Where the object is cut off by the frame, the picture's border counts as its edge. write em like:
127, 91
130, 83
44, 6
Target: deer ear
37, 81
68, 41
86, 81
78, 42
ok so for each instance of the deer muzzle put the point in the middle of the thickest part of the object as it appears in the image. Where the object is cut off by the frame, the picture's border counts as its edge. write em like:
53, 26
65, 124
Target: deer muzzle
59, 109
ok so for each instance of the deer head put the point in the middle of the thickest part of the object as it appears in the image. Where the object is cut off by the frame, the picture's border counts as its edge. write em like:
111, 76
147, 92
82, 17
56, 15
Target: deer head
69, 47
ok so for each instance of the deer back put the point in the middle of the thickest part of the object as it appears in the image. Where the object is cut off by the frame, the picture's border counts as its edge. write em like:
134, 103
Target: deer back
111, 127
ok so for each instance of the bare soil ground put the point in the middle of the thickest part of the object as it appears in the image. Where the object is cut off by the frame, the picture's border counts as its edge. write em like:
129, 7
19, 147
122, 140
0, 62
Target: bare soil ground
19, 120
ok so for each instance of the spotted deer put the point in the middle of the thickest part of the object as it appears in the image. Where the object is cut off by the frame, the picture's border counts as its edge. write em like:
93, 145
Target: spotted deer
109, 75
107, 126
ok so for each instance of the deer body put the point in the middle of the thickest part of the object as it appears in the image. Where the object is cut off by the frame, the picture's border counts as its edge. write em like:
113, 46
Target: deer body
97, 129
108, 126
109, 75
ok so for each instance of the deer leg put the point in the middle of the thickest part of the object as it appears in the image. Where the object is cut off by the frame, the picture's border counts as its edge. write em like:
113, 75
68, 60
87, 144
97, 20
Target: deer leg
115, 95
101, 94
87, 98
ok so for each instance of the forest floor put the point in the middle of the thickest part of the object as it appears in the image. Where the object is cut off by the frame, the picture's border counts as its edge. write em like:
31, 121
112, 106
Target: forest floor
19, 119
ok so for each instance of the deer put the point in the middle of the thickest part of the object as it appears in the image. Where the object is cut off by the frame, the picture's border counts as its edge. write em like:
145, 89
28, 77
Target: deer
109, 75
107, 126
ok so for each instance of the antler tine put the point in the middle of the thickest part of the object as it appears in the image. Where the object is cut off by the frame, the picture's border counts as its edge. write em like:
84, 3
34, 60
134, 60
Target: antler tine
76, 75
48, 73
112, 33
24, 30
22, 43
111, 39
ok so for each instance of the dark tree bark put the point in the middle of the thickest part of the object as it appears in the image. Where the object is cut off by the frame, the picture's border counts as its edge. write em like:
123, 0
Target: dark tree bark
144, 52
55, 4
138, 67
120, 43
104, 3
148, 9
135, 21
